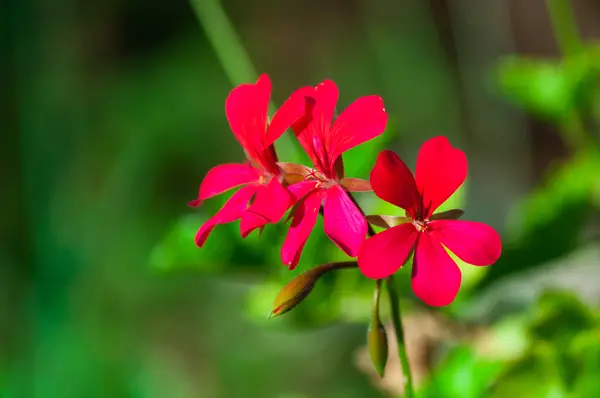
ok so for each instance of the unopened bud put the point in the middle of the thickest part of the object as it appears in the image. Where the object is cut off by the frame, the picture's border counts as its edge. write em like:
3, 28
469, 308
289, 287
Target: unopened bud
298, 288
295, 292
378, 347
376, 336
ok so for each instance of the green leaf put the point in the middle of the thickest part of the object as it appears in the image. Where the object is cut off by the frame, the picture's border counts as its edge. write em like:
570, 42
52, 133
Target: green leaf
585, 352
177, 248
558, 317
534, 376
462, 374
546, 224
535, 85
550, 89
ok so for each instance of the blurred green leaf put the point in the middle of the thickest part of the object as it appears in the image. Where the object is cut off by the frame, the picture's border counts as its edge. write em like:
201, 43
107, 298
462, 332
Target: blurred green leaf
558, 317
585, 350
462, 374
538, 86
547, 223
177, 248
550, 89
535, 376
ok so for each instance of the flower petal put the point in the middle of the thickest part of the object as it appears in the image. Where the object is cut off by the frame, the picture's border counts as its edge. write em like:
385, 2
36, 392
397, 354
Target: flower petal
289, 113
224, 177
473, 242
231, 211
441, 169
384, 253
393, 182
301, 189
304, 220
363, 120
344, 223
246, 109
251, 221
435, 276
269, 205
314, 134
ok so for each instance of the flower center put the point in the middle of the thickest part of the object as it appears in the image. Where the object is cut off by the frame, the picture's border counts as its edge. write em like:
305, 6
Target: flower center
420, 225
265, 178
317, 175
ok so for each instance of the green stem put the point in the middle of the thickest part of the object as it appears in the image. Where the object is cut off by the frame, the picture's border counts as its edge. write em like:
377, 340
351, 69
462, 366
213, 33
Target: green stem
225, 41
235, 60
397, 321
564, 26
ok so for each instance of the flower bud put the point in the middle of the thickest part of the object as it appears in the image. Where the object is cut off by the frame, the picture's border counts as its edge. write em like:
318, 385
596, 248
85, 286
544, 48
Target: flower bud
376, 336
295, 291
298, 288
378, 347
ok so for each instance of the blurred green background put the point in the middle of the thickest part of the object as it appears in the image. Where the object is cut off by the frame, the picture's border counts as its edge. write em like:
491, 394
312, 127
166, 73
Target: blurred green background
111, 112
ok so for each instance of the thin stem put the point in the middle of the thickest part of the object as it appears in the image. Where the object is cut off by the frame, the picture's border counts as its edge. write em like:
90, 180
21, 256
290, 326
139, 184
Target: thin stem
577, 130
564, 26
235, 60
338, 265
225, 41
397, 321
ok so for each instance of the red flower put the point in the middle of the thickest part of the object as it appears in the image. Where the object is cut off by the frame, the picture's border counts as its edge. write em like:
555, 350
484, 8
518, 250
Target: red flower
246, 109
436, 278
324, 143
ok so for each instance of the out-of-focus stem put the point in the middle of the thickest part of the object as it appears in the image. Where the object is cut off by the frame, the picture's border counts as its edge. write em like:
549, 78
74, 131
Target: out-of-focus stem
564, 26
225, 41
397, 321
233, 57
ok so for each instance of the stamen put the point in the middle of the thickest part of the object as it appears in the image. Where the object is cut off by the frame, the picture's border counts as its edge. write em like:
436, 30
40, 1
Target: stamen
421, 226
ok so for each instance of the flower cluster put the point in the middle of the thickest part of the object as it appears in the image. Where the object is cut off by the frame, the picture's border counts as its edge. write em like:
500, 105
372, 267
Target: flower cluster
270, 188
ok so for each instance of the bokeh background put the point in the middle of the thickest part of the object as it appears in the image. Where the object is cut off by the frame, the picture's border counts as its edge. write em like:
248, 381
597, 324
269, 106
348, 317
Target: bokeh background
113, 111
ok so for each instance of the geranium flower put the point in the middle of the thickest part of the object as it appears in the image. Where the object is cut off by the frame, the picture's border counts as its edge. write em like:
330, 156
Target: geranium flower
262, 199
436, 278
324, 143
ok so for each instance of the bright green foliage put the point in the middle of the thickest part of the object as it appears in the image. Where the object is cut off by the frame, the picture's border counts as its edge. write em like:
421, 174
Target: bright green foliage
551, 89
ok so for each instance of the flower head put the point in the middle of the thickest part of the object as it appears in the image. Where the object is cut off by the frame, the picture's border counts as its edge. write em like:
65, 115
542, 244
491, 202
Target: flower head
440, 171
262, 199
324, 142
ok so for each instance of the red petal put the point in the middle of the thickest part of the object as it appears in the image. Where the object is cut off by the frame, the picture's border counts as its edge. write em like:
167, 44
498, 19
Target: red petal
441, 169
303, 222
269, 205
393, 182
289, 113
363, 120
250, 222
231, 211
302, 189
246, 109
224, 177
314, 135
383, 254
473, 242
436, 277
344, 223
